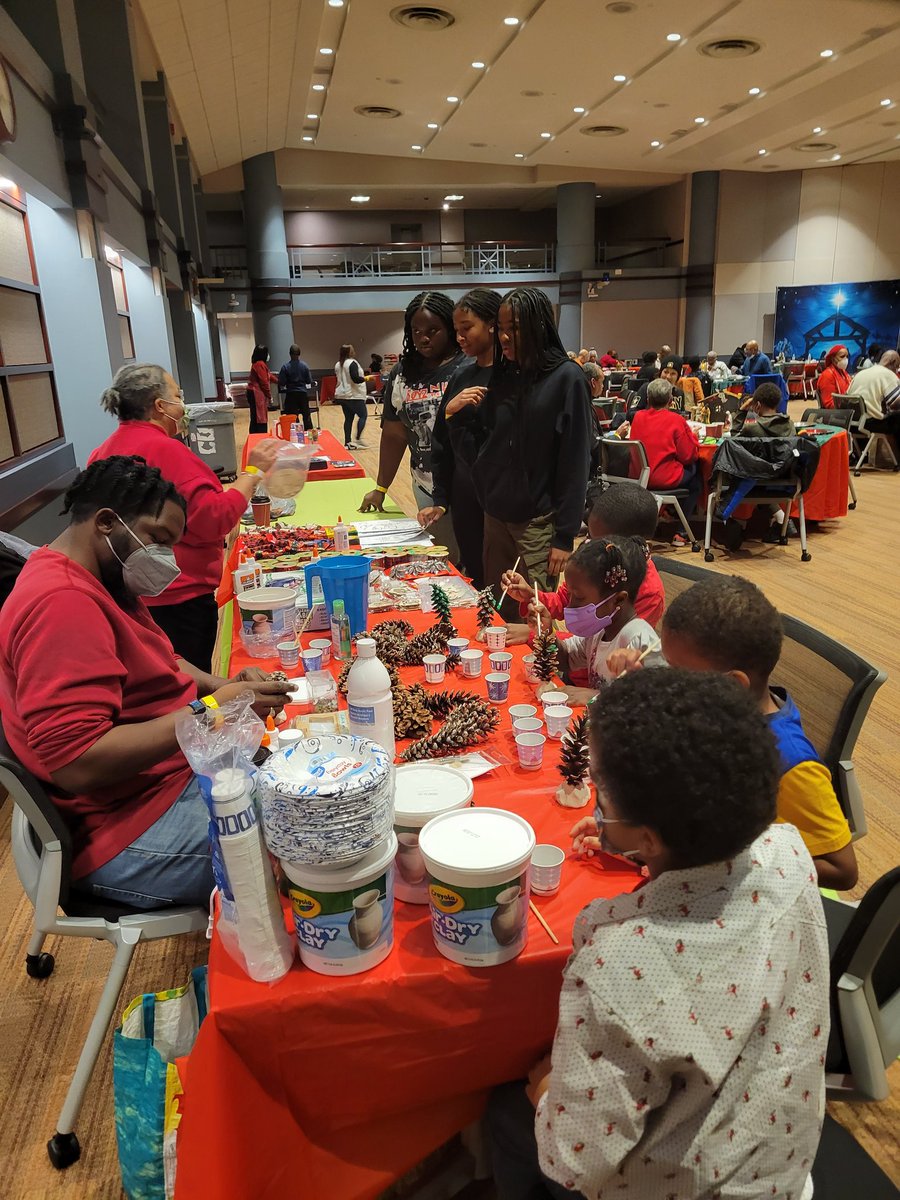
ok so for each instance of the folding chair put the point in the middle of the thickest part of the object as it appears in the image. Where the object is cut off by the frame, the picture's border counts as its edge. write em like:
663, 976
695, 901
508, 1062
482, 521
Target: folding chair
839, 417
604, 411
810, 374
861, 435
622, 461
314, 406
615, 382
42, 851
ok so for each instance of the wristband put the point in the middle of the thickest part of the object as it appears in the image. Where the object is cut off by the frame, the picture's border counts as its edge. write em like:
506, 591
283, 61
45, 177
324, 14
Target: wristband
379, 488
209, 701
251, 470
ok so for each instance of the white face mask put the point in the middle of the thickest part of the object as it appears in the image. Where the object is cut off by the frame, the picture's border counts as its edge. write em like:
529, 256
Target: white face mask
150, 569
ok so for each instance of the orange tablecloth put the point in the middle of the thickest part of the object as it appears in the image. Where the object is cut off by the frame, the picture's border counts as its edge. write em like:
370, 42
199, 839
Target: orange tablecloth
333, 1088
328, 444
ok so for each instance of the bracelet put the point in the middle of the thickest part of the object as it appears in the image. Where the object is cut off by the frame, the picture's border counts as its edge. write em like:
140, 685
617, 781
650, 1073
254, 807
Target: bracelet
209, 701
251, 470
379, 488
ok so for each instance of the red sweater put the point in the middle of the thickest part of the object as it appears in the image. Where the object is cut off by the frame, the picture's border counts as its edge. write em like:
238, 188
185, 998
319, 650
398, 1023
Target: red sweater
211, 511
73, 665
669, 442
831, 381
649, 603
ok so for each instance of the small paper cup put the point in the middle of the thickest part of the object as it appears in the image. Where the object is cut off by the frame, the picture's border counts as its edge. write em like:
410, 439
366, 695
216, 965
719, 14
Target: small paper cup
530, 748
495, 636
435, 666
518, 712
550, 699
527, 725
501, 660
546, 869
557, 717
289, 737
312, 659
323, 645
528, 664
457, 645
471, 663
497, 686
289, 653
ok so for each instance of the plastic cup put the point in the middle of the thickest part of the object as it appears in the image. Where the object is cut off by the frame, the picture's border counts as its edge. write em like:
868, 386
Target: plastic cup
501, 660
519, 711
312, 660
530, 748
550, 699
557, 717
471, 663
546, 869
527, 725
495, 636
435, 666
262, 511
457, 645
289, 653
497, 686
528, 664
323, 645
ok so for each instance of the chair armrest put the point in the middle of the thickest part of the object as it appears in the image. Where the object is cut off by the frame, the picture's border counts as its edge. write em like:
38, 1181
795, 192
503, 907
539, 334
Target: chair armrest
850, 798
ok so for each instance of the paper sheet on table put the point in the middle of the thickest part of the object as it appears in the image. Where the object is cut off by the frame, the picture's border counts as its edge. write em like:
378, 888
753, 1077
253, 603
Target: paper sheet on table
392, 533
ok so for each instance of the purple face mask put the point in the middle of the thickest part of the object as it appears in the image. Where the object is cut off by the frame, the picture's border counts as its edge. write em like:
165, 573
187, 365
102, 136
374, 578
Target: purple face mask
584, 621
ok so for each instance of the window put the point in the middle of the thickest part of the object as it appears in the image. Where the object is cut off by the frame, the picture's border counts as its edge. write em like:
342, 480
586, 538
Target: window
118, 281
29, 410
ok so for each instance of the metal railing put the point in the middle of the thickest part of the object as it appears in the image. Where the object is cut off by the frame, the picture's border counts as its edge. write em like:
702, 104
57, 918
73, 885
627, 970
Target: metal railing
641, 252
425, 259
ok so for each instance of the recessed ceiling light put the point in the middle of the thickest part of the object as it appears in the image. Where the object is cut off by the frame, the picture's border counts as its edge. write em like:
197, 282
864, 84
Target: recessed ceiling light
510, 20
762, 152
445, 207
455, 196
579, 109
886, 103
307, 137
479, 66
620, 78
312, 116
826, 53
518, 156
699, 120
432, 125
598, 196
754, 91
335, 3
817, 129
655, 144
546, 135
835, 157
673, 37
359, 199
326, 50
453, 99
415, 147
318, 87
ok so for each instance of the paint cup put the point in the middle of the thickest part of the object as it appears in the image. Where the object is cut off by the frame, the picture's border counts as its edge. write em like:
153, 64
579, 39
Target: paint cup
435, 666
262, 511
471, 663
312, 660
495, 636
497, 686
528, 664
549, 699
323, 645
546, 869
500, 660
288, 738
518, 712
527, 725
557, 717
457, 645
289, 653
530, 748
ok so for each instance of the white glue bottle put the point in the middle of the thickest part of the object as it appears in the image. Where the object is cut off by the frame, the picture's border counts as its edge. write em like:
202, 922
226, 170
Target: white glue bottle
341, 537
369, 697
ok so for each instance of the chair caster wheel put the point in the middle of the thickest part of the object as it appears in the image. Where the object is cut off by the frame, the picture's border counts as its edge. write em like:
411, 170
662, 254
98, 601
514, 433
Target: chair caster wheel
708, 556
852, 504
63, 1149
39, 966
695, 547
805, 556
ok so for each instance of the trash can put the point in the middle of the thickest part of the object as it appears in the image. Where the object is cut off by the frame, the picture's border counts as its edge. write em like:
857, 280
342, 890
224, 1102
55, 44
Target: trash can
211, 436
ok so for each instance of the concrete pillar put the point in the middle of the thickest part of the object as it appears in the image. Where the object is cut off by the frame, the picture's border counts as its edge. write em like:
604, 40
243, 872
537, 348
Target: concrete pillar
701, 263
162, 153
267, 257
575, 252
187, 355
187, 197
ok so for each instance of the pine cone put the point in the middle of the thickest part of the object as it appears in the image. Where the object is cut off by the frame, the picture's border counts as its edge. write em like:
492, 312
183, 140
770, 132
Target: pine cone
468, 724
546, 656
574, 759
411, 717
442, 704
342, 678
398, 628
432, 641
486, 607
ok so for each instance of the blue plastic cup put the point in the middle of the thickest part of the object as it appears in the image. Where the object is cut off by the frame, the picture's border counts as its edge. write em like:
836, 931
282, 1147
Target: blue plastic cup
346, 578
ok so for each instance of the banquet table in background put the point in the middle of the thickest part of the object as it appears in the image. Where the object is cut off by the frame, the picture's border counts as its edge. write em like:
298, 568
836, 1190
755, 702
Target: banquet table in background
328, 445
331, 1088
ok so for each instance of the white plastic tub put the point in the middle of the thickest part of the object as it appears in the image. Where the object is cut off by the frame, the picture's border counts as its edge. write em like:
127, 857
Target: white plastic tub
422, 791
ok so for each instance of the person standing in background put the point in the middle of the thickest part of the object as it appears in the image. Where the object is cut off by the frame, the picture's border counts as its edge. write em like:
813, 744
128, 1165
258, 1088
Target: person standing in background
295, 379
835, 379
259, 389
350, 393
375, 364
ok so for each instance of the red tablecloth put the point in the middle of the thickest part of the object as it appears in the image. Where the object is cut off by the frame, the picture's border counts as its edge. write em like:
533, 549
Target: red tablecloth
328, 444
333, 1088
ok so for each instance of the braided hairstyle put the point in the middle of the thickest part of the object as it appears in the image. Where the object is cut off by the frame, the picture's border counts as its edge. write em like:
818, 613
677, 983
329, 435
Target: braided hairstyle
538, 345
442, 307
614, 563
484, 303
126, 484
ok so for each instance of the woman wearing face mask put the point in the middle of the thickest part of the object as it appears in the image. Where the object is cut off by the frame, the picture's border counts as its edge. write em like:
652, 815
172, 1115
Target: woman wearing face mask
834, 379
151, 414
91, 691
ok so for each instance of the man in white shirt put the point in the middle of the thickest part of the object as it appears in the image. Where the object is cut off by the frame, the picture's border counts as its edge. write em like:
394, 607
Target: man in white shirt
716, 370
878, 388
688, 1062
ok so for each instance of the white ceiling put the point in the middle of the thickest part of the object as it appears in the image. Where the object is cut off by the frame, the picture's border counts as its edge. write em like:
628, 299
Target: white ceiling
241, 73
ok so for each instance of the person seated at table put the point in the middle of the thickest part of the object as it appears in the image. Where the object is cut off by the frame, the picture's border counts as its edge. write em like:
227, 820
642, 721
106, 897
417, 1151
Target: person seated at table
91, 690
758, 415
592, 355
690, 382
706, 383
611, 361
669, 442
756, 363
878, 388
596, 379
671, 373
870, 357
727, 624
665, 352
375, 364
835, 378
648, 369
694, 1011
738, 355
716, 370
603, 579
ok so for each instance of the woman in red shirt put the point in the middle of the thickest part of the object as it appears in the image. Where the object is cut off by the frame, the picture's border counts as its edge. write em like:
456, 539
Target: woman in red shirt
834, 378
151, 412
670, 445
259, 390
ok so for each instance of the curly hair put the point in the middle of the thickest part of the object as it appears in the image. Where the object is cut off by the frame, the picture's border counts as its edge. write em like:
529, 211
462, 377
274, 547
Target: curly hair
768, 395
442, 306
707, 782
614, 562
626, 509
731, 624
126, 484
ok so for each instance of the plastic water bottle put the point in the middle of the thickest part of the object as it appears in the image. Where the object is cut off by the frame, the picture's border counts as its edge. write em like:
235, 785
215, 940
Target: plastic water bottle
341, 536
341, 645
369, 697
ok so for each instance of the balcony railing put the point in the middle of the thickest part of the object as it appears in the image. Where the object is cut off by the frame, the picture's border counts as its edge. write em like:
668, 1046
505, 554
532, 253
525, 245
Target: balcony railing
362, 260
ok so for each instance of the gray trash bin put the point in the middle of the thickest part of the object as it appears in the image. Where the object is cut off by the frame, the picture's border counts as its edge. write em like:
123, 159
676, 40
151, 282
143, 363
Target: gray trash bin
211, 436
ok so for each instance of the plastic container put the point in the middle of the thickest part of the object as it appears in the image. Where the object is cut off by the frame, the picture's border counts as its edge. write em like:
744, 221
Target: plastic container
479, 867
369, 699
422, 791
344, 918
341, 537
344, 577
287, 475
267, 617
341, 645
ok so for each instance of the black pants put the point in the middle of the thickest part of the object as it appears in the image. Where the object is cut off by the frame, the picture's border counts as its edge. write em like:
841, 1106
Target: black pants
467, 516
191, 627
353, 408
297, 404
514, 1156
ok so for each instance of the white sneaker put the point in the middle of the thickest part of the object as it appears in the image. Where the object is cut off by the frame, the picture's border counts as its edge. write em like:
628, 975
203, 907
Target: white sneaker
350, 446
361, 445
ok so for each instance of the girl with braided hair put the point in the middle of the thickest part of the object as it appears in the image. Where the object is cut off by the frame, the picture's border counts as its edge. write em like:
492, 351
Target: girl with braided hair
412, 396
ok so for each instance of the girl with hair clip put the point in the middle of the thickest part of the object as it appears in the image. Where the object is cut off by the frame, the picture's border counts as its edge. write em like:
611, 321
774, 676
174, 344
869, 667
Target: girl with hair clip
603, 579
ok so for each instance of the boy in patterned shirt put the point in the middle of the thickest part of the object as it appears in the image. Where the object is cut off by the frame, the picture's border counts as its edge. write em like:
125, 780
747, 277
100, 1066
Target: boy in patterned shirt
688, 1061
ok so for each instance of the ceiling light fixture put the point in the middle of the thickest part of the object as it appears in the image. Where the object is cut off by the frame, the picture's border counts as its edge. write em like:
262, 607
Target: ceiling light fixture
673, 37
546, 135
453, 99
817, 129
359, 199
699, 120
754, 91
835, 158
455, 196
445, 207
510, 20
318, 87
620, 78
762, 152
655, 144
886, 103
312, 116
826, 53
579, 110
326, 50
415, 147
479, 66
307, 137
518, 156
335, 3
432, 125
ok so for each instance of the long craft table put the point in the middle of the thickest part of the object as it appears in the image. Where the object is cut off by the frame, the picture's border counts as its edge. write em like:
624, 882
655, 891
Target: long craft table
332, 1088
328, 445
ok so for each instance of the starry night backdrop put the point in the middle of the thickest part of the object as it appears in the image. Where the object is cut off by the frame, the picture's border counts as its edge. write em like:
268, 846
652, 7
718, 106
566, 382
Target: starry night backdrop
810, 320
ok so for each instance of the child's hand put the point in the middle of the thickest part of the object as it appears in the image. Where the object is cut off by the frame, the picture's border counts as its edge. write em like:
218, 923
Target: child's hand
517, 635
621, 661
585, 837
539, 610
540, 688
516, 586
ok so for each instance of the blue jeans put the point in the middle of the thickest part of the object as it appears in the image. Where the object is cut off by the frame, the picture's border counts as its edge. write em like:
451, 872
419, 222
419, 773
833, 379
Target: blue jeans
514, 1156
168, 864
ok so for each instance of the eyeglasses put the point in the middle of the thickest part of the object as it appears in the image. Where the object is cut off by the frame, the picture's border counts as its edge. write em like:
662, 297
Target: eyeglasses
602, 802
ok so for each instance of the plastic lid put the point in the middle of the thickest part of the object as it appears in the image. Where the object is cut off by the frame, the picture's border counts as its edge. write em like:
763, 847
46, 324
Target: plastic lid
423, 788
340, 519
365, 647
337, 606
474, 840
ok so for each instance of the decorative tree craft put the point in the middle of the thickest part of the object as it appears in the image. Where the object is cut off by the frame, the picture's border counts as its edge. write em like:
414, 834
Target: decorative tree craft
546, 655
440, 602
575, 790
486, 607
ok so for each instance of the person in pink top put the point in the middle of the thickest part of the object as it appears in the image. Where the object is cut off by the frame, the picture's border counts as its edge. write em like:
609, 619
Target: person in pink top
151, 412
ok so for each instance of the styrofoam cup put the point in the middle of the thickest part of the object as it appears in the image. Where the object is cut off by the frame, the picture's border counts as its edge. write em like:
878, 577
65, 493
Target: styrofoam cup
546, 869
554, 698
497, 686
530, 748
435, 666
557, 717
519, 711
527, 725
289, 653
495, 636
471, 663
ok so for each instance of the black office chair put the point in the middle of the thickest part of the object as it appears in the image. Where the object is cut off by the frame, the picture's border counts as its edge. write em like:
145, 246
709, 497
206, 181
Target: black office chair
42, 851
842, 1168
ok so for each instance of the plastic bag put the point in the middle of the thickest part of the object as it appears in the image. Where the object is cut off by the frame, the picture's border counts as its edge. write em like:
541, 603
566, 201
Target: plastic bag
287, 475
